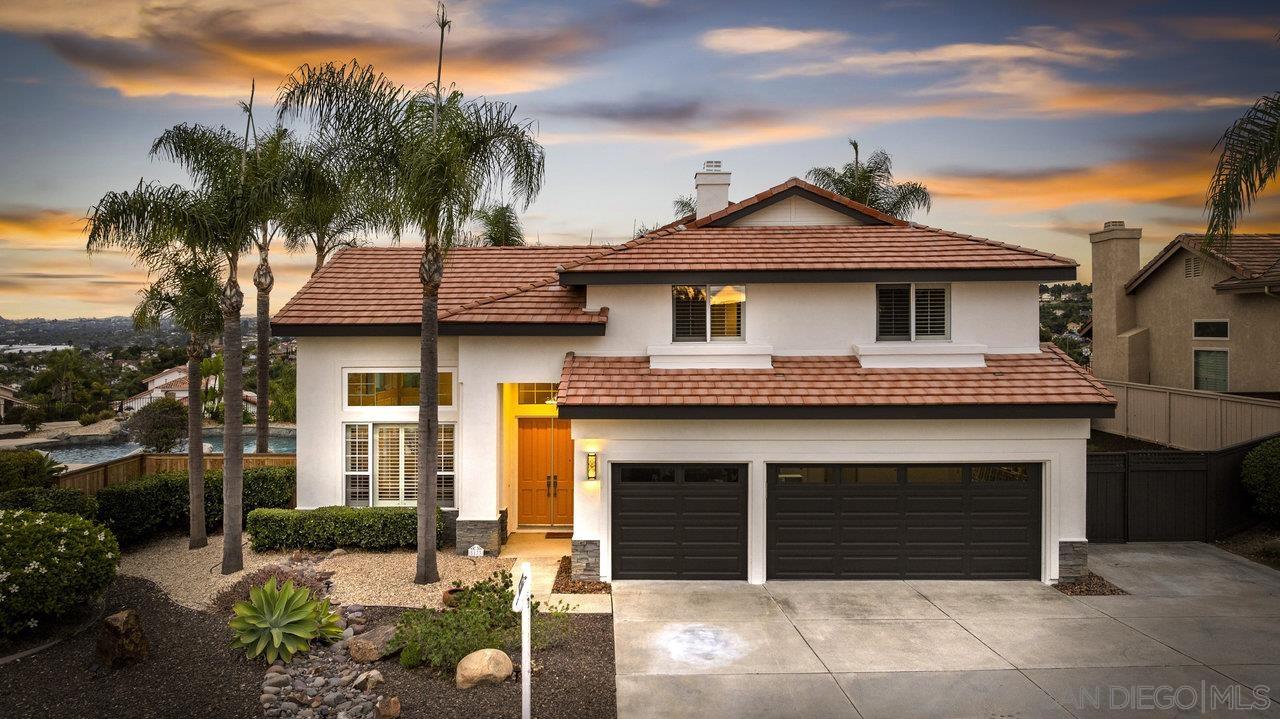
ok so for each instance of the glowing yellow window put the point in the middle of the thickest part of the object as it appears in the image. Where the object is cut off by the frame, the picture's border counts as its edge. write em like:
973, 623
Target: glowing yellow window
392, 389
535, 392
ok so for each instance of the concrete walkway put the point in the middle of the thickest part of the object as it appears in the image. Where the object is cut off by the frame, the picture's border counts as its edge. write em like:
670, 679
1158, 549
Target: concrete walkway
899, 649
543, 556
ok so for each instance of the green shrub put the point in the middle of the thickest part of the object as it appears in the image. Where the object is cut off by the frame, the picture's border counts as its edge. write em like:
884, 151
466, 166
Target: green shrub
282, 620
87, 419
50, 499
141, 508
375, 528
50, 565
159, 426
32, 419
482, 619
27, 468
1261, 477
106, 414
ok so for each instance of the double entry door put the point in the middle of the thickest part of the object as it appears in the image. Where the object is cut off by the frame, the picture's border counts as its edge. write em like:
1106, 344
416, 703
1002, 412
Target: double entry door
545, 472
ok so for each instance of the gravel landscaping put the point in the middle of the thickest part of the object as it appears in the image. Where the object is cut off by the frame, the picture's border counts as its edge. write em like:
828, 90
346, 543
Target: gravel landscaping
1260, 544
566, 584
386, 578
191, 577
1090, 585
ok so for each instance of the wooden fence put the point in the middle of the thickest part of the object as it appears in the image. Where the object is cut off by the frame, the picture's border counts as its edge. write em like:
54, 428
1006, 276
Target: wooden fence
1168, 495
96, 476
1188, 419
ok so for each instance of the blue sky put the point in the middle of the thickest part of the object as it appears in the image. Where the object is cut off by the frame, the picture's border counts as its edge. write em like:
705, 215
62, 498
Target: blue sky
1031, 122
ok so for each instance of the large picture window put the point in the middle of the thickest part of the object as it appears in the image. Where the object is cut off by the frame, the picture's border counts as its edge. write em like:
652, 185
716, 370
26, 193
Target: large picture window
381, 464
393, 389
702, 313
909, 312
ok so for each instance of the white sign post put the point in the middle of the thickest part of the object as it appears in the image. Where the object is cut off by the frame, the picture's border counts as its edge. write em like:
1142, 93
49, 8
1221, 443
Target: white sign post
521, 604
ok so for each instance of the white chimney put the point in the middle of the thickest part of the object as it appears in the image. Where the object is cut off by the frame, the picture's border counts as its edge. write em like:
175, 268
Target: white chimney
711, 189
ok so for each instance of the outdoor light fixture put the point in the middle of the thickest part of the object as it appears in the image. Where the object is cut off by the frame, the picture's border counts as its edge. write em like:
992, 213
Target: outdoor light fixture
592, 466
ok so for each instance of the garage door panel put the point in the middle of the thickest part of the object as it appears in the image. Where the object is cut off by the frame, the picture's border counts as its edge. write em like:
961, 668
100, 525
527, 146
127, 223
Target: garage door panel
944, 521
689, 524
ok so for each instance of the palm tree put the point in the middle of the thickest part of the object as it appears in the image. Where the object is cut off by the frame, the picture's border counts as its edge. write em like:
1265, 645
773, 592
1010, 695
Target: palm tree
435, 157
684, 205
1249, 160
871, 183
500, 226
188, 292
165, 228
326, 207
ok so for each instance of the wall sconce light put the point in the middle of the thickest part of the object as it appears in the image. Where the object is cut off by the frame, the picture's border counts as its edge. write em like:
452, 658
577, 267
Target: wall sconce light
592, 466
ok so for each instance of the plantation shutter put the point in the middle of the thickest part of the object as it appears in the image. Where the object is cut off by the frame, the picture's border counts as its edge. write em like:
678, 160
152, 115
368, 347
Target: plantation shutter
931, 312
893, 312
388, 465
1211, 370
357, 464
727, 304
688, 313
444, 467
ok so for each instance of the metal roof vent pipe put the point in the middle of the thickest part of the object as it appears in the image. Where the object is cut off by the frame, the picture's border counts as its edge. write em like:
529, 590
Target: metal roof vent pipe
711, 189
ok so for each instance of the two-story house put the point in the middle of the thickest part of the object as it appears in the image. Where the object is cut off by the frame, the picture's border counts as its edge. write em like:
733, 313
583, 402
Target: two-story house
791, 386
1193, 317
172, 383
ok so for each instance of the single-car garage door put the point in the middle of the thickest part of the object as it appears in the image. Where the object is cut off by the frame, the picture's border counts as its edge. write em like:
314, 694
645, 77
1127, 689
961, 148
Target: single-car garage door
927, 521
679, 521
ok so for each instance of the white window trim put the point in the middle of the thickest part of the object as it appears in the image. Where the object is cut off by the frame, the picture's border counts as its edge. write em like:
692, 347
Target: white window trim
1224, 351
911, 292
1195, 336
347, 371
371, 473
707, 338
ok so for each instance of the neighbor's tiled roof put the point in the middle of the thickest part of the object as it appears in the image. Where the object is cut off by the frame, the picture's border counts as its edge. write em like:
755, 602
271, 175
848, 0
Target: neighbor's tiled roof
834, 381
825, 247
379, 285
1252, 259
179, 368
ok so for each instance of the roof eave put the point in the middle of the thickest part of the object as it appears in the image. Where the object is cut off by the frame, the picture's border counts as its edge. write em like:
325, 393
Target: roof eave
1096, 410
447, 329
577, 278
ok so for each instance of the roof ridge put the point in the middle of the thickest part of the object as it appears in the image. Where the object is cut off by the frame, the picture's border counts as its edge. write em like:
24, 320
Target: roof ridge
996, 243
804, 185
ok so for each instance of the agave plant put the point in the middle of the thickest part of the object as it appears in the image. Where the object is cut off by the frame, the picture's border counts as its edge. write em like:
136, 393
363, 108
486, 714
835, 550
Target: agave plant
281, 620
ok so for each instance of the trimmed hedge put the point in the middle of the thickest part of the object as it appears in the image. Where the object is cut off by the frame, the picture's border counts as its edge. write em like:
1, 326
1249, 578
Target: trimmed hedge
1261, 477
50, 566
50, 499
141, 508
26, 468
376, 528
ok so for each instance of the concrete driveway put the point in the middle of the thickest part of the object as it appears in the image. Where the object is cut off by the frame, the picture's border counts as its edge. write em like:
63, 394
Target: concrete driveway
1200, 630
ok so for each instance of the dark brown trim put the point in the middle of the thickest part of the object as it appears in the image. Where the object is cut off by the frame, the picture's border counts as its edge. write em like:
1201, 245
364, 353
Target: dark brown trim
969, 411
815, 198
447, 329
572, 278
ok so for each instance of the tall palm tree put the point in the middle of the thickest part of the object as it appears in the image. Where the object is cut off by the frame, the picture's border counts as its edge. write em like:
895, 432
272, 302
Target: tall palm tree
327, 205
435, 157
871, 183
165, 228
245, 193
500, 226
1249, 160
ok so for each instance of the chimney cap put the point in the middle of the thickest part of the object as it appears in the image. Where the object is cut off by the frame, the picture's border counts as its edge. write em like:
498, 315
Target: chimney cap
712, 166
1113, 225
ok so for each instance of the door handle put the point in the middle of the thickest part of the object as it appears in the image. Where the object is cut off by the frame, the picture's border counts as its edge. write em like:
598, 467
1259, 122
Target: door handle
548, 485
555, 485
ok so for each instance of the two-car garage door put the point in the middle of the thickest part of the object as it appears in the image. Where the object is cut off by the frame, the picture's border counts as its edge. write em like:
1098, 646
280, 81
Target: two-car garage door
829, 521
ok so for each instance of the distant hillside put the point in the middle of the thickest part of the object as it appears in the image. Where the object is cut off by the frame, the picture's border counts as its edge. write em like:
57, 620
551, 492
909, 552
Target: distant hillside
91, 332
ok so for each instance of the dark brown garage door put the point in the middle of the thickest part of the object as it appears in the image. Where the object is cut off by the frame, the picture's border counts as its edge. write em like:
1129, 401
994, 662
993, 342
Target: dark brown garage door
679, 521
961, 521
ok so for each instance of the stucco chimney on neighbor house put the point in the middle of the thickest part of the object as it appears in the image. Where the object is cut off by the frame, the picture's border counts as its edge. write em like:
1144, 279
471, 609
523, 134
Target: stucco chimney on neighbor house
711, 188
1119, 345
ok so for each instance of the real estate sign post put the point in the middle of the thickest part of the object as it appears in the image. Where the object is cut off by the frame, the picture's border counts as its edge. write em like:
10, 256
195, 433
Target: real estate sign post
521, 604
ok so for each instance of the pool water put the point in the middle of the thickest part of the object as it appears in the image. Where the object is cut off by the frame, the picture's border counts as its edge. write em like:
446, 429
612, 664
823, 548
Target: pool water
94, 453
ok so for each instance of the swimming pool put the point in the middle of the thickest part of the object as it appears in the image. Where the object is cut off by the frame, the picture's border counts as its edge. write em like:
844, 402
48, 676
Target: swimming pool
94, 453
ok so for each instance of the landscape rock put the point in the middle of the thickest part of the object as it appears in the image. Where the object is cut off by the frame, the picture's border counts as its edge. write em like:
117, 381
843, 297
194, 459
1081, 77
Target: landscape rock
337, 552
371, 645
484, 666
121, 641
388, 708
369, 681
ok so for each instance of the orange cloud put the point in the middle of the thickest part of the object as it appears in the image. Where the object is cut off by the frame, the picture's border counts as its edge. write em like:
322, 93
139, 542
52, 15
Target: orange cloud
765, 39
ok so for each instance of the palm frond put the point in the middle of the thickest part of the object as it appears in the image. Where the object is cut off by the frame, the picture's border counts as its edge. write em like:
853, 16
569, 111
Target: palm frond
1249, 159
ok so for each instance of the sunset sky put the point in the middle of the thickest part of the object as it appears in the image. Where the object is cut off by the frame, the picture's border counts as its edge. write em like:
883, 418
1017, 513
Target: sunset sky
1031, 122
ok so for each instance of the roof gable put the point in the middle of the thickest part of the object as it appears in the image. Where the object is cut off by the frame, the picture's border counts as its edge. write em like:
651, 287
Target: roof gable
738, 212
1253, 260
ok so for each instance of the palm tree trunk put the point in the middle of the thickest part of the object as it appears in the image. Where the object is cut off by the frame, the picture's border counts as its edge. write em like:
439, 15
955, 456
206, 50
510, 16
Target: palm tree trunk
263, 280
431, 272
232, 429
195, 447
321, 254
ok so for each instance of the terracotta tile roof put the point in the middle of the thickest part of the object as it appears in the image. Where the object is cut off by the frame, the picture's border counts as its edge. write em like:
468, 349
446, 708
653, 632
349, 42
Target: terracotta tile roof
831, 247
379, 285
1252, 259
835, 381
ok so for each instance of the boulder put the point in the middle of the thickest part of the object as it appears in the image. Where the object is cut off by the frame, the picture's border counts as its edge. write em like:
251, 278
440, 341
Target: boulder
368, 681
387, 708
371, 645
121, 641
485, 666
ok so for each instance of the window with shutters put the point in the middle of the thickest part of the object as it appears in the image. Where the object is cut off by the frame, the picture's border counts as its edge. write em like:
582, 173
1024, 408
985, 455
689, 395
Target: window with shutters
1210, 368
381, 464
707, 313
911, 312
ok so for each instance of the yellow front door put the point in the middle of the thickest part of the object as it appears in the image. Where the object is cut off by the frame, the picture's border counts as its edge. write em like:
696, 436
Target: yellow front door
546, 472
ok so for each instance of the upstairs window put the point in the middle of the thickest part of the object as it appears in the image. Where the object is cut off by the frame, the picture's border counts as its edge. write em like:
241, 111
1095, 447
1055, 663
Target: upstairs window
908, 312
703, 313
393, 389
1209, 329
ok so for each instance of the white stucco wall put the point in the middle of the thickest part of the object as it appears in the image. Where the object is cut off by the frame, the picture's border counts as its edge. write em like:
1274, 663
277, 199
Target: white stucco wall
1059, 445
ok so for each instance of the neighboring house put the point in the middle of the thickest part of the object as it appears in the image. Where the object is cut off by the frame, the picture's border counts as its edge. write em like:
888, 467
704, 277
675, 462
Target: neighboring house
1192, 318
9, 400
172, 383
791, 386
